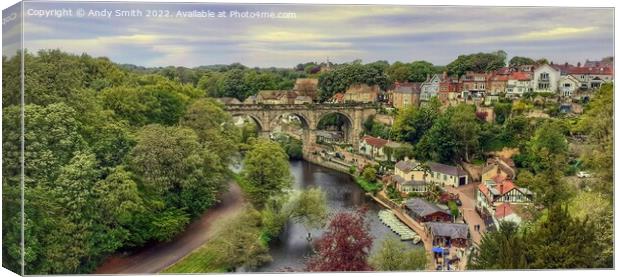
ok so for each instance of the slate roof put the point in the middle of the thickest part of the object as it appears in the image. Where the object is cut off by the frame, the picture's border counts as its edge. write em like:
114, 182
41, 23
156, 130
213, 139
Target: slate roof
451, 230
407, 87
446, 169
406, 166
422, 207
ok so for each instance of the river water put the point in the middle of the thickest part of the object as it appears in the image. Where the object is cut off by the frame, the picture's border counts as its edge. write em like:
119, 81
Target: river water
343, 194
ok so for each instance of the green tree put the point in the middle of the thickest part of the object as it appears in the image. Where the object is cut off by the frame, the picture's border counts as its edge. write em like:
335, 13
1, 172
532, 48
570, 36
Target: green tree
214, 127
559, 241
597, 124
517, 61
503, 249
266, 170
479, 62
369, 174
394, 256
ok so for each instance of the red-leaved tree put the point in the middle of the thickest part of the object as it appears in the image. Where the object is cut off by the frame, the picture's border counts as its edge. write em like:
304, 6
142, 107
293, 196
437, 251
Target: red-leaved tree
345, 246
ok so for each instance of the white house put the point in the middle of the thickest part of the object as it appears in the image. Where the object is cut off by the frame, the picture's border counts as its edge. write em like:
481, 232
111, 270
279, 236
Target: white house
546, 79
568, 85
447, 175
430, 87
518, 83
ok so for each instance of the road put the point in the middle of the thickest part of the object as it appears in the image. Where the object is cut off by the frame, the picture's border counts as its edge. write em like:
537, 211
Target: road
155, 258
467, 195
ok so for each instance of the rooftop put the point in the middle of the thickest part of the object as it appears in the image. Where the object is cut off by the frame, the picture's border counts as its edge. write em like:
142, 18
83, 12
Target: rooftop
422, 207
446, 169
451, 230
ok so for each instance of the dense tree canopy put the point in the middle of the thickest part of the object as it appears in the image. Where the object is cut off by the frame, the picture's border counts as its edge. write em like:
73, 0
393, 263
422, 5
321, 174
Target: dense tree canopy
479, 62
339, 79
107, 167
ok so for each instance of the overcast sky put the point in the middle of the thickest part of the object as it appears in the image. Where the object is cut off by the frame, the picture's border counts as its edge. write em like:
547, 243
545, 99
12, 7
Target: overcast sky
341, 33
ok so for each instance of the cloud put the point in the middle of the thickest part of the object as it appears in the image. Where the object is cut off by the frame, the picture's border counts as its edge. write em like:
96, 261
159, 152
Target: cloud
338, 32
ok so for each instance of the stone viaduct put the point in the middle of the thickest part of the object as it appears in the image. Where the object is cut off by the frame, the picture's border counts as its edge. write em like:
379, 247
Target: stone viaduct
266, 117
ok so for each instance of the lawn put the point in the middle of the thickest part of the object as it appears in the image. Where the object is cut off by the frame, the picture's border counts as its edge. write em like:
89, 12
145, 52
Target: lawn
202, 260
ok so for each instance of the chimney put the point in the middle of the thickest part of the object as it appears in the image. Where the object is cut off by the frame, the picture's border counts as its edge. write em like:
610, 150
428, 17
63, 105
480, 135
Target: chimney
566, 64
578, 64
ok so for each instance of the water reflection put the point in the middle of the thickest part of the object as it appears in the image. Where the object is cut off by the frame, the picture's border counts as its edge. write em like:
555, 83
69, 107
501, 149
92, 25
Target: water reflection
342, 195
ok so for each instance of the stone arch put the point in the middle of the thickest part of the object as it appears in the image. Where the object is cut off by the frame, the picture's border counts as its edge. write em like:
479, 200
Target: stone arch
305, 121
261, 126
349, 123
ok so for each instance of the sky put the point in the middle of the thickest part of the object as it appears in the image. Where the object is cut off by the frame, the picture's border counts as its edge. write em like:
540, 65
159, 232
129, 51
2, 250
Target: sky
340, 33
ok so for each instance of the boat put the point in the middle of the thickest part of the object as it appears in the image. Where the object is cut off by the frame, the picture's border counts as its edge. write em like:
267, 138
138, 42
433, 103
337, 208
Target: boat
388, 218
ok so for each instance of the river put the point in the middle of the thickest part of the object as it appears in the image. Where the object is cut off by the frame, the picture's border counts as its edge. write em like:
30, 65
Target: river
343, 194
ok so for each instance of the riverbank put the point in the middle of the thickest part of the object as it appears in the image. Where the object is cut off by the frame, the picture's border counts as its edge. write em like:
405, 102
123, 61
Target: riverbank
153, 259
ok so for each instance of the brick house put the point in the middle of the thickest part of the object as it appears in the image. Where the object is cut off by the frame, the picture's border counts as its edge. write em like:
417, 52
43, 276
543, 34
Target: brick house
405, 94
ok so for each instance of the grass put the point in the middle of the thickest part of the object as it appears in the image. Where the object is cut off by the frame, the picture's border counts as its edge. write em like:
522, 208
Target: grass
203, 260
367, 186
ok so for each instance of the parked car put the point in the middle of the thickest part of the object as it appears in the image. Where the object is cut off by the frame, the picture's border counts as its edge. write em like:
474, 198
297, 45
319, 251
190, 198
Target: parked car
584, 174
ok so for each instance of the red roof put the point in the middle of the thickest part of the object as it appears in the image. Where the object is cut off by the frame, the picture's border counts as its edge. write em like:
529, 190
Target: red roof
520, 76
376, 142
503, 210
591, 70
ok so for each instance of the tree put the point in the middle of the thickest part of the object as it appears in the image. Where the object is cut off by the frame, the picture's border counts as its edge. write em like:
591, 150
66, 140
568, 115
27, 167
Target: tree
517, 61
597, 124
596, 208
238, 244
266, 170
214, 127
559, 241
345, 246
480, 62
503, 249
394, 256
369, 174
412, 123
339, 79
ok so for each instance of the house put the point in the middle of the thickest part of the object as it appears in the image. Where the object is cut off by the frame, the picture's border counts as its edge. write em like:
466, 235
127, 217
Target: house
546, 79
474, 83
492, 193
373, 147
602, 63
592, 77
449, 88
505, 168
405, 94
497, 82
430, 87
424, 211
505, 212
448, 234
275, 97
518, 83
410, 176
329, 137
568, 85
362, 93
447, 175
307, 87
228, 100
408, 186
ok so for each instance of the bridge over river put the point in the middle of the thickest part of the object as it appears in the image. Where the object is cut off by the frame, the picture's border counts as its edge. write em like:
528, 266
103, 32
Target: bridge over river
266, 116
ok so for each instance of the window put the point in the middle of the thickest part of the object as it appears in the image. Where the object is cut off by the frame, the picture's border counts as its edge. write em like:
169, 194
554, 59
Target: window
544, 76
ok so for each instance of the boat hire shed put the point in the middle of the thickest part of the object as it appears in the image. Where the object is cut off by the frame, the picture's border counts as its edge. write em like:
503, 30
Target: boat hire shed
448, 234
424, 211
